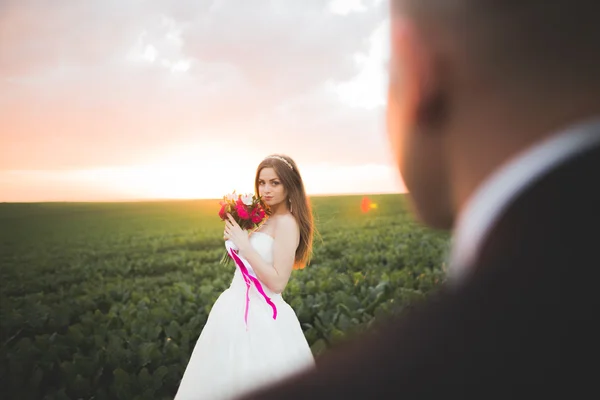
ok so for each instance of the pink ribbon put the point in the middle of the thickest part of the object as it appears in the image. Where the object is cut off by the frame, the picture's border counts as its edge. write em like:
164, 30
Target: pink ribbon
248, 278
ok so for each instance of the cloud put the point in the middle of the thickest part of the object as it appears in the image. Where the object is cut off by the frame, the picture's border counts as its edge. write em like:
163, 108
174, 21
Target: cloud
92, 84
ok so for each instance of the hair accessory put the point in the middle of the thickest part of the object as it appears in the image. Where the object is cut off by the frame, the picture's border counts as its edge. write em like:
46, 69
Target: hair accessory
282, 159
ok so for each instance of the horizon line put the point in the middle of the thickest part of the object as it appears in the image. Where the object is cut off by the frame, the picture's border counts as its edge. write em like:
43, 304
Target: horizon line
166, 199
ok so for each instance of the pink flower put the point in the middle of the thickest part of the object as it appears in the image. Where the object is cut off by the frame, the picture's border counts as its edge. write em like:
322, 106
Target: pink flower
241, 211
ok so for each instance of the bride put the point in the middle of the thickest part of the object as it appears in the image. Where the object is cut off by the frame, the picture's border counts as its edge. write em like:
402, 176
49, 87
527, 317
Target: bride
235, 354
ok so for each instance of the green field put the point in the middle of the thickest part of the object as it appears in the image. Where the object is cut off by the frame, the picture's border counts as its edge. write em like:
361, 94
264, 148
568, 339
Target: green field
106, 300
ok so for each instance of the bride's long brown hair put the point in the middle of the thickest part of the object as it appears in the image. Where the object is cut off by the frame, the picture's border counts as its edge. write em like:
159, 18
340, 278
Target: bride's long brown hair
287, 171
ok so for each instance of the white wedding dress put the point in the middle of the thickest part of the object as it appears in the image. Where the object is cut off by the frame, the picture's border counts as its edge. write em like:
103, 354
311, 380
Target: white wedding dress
231, 357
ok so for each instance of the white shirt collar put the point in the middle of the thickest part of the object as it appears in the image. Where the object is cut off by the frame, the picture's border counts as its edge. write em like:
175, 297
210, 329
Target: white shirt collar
497, 192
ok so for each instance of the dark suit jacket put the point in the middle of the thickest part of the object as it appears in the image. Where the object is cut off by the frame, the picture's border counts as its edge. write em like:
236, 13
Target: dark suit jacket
524, 324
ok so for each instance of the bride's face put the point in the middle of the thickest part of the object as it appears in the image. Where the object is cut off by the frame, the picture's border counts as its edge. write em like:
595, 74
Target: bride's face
270, 187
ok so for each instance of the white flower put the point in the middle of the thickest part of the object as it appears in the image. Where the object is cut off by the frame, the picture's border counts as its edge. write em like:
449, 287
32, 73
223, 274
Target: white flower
231, 196
247, 199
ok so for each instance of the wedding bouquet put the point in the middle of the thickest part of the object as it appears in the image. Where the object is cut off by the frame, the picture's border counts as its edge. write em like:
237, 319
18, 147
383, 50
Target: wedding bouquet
246, 210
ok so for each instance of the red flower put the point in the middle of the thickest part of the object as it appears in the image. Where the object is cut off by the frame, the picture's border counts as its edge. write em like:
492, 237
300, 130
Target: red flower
223, 211
257, 215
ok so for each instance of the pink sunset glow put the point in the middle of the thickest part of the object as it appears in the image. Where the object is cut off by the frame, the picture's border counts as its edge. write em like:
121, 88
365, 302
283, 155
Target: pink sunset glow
117, 100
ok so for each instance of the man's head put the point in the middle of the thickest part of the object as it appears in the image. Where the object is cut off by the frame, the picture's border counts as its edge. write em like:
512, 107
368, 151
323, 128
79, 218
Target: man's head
473, 82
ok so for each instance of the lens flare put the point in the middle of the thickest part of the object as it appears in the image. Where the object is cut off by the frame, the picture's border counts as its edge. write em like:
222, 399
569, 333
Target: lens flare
367, 205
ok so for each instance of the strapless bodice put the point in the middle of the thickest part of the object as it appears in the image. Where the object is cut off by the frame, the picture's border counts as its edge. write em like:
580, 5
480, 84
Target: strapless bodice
263, 244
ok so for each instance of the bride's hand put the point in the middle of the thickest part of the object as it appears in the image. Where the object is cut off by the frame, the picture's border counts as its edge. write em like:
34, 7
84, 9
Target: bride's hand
236, 234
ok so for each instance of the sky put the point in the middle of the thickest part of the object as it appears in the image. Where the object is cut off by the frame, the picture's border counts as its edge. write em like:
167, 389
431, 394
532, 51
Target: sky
147, 99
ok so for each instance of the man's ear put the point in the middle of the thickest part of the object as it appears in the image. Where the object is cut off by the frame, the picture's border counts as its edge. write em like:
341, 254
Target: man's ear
417, 70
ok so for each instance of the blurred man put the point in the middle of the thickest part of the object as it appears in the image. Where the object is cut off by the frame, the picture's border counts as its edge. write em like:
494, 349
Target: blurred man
494, 119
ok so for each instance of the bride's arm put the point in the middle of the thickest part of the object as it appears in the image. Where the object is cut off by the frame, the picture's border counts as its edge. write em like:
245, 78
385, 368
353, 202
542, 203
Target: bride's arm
276, 276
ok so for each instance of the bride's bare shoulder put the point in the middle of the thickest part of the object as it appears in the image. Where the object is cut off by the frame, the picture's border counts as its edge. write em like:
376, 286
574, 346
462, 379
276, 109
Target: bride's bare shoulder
286, 224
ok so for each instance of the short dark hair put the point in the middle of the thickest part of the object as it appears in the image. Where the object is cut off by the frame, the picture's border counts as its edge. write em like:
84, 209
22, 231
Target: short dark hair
538, 40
